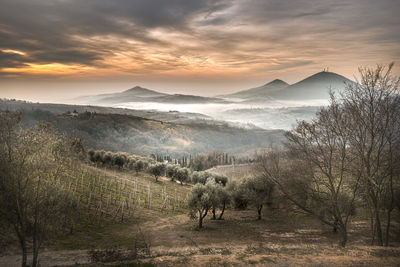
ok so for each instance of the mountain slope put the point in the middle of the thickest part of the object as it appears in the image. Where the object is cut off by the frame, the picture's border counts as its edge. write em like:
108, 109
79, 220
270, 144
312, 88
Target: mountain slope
134, 94
316, 86
261, 91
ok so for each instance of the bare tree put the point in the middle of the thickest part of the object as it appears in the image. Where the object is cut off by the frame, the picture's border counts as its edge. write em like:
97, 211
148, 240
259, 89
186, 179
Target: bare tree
314, 172
374, 107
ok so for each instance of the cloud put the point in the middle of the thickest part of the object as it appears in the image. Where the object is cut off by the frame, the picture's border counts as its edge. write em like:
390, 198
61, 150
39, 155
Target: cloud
202, 37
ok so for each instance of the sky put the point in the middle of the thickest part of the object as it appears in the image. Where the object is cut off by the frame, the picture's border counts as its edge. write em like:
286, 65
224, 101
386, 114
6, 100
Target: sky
51, 50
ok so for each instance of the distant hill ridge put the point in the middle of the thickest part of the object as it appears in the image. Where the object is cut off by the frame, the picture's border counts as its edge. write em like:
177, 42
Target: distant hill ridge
316, 86
141, 94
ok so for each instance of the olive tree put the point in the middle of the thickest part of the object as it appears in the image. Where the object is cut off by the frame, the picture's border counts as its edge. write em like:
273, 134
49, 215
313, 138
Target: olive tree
157, 169
258, 191
170, 171
182, 175
200, 202
33, 163
139, 165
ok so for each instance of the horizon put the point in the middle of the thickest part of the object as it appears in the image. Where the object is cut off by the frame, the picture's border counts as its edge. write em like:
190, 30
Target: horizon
161, 90
51, 50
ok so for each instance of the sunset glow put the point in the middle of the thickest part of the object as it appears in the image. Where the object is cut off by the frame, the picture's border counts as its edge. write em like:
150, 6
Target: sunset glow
229, 44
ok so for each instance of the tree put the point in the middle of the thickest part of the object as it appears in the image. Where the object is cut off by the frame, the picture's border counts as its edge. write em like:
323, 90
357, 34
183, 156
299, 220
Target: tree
220, 197
171, 170
258, 191
238, 194
315, 172
33, 163
374, 106
220, 179
224, 200
157, 170
108, 158
200, 202
200, 177
182, 175
139, 165
119, 160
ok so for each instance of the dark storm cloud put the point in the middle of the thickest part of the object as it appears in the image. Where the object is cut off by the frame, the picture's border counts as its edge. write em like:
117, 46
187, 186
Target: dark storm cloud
46, 28
11, 60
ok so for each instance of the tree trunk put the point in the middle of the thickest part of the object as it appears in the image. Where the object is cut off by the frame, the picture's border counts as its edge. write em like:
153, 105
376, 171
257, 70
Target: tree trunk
201, 217
200, 220
22, 242
222, 212
213, 212
24, 253
335, 226
343, 234
35, 255
378, 228
259, 209
388, 228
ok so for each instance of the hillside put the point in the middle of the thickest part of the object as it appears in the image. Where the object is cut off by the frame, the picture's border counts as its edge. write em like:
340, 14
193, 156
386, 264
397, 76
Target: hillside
143, 136
170, 116
316, 86
263, 91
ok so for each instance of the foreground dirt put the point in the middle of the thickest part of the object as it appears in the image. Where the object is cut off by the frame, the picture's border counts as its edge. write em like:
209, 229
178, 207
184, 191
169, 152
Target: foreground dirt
239, 240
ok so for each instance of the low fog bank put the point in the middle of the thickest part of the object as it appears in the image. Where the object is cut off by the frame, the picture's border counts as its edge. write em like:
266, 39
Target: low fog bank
268, 115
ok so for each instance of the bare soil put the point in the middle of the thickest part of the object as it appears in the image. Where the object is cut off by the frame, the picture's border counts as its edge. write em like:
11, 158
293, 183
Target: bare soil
238, 240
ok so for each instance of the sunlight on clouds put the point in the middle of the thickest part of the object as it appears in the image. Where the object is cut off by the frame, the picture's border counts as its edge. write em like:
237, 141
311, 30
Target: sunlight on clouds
11, 51
48, 69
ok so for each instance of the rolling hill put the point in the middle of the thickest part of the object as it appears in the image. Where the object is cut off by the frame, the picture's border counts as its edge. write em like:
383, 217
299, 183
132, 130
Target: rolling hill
123, 130
140, 94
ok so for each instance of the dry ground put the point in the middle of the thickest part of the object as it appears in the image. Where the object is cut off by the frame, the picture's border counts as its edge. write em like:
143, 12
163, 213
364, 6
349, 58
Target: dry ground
239, 239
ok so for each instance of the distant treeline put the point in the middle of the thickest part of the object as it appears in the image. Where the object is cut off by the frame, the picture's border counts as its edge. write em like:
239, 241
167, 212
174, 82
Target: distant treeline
203, 161
175, 172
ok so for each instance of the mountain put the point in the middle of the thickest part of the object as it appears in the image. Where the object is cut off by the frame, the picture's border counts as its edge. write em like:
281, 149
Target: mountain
261, 91
314, 87
135, 94
140, 94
